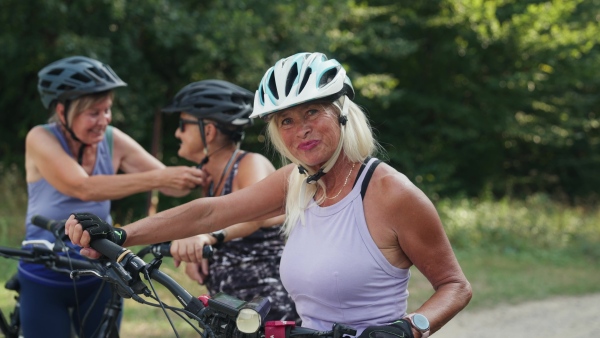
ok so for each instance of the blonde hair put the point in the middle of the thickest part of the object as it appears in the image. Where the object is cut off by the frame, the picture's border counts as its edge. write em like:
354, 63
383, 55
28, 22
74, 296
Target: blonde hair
79, 105
358, 143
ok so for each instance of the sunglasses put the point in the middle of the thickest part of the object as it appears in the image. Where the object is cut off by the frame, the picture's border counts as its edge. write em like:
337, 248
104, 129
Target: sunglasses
183, 122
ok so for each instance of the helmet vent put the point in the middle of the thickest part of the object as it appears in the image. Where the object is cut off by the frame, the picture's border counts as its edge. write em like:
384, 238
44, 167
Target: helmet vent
98, 73
273, 87
80, 77
305, 79
261, 94
328, 76
56, 71
291, 78
45, 83
65, 87
203, 106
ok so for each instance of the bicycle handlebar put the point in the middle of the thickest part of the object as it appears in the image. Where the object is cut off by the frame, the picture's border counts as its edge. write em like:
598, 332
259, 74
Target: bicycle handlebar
164, 249
47, 257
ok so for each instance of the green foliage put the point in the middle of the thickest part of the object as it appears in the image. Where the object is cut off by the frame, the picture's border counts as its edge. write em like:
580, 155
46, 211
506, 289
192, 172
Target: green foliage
13, 194
466, 96
535, 226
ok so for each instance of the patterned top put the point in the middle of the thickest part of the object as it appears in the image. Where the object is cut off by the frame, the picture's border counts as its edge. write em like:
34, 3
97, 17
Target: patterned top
248, 267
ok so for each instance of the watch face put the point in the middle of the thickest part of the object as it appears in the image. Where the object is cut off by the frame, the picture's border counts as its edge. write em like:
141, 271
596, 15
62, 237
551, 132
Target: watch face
420, 322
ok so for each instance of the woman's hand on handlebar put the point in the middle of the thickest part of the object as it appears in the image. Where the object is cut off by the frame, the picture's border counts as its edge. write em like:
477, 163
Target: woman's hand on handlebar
190, 249
79, 237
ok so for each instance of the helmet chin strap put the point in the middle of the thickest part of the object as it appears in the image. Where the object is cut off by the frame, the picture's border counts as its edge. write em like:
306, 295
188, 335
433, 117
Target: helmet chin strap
66, 105
343, 118
206, 152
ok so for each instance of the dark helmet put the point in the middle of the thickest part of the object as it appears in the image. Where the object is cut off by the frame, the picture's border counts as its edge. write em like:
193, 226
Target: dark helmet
220, 101
70, 78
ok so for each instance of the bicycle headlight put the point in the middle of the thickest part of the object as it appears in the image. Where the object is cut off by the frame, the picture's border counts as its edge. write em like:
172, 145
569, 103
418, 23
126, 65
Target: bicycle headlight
252, 314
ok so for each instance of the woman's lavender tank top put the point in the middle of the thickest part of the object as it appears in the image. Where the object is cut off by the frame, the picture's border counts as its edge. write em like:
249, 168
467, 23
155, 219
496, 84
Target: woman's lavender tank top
335, 272
45, 200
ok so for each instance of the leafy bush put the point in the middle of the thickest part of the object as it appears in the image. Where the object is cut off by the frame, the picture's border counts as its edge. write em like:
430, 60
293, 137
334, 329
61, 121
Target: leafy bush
536, 225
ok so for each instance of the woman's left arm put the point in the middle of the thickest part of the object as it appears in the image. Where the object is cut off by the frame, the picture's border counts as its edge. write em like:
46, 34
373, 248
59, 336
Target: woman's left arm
409, 232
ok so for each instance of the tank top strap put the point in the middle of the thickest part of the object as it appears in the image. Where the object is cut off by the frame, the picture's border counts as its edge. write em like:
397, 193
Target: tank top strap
370, 164
228, 186
109, 139
53, 128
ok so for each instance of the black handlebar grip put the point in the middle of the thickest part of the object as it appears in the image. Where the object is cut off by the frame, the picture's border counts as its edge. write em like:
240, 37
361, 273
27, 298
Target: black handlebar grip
165, 250
46, 223
107, 248
207, 251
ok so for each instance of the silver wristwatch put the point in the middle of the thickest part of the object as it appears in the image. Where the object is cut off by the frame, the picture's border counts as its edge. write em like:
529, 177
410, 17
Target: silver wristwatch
420, 323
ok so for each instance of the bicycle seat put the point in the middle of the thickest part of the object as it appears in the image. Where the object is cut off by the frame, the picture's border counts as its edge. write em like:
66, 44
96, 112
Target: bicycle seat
13, 283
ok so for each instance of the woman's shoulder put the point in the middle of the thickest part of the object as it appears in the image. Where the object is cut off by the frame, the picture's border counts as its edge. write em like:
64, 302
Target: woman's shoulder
254, 161
389, 184
40, 134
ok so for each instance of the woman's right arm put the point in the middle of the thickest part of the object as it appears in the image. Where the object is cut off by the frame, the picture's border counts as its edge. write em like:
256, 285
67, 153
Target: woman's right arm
262, 200
45, 158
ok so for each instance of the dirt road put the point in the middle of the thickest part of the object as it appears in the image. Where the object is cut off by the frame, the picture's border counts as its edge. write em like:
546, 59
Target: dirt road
574, 317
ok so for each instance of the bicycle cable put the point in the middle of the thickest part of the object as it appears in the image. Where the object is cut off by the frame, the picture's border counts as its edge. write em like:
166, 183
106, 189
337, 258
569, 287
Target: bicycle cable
147, 275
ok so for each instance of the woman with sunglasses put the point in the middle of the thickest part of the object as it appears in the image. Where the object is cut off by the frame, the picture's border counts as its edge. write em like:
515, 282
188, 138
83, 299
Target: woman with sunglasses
212, 118
71, 164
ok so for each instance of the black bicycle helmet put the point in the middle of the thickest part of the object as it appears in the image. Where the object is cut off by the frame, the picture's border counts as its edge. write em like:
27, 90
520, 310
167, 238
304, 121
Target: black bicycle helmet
70, 78
220, 101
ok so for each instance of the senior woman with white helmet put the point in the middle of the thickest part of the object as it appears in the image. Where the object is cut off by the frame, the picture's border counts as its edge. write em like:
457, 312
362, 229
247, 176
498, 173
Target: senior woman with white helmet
355, 225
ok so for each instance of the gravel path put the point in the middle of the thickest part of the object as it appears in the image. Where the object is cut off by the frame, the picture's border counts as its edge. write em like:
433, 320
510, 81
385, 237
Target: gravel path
574, 317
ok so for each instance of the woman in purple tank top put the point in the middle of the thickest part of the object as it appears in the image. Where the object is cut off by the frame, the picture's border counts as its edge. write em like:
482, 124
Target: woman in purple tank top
354, 228
212, 118
71, 165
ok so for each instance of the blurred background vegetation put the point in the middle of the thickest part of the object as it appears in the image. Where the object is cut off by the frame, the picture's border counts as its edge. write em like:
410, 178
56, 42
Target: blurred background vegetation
469, 97
489, 106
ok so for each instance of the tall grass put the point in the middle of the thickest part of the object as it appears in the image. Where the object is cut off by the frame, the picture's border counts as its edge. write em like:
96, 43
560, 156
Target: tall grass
13, 205
533, 226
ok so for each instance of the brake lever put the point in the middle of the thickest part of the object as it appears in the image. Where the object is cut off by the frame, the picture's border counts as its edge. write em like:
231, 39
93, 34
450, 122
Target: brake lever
75, 274
37, 243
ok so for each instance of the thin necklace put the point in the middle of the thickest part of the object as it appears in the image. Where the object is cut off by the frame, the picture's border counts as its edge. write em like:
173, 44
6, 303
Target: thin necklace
343, 186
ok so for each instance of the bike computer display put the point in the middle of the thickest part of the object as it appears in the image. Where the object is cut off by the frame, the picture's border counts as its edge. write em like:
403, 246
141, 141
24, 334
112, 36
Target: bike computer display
226, 304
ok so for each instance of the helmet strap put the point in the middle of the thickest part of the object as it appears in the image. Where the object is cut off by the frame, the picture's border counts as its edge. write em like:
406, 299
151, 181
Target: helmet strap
203, 138
66, 106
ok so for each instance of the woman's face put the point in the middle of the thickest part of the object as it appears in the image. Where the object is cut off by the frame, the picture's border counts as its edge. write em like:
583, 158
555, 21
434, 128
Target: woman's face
310, 132
188, 132
90, 124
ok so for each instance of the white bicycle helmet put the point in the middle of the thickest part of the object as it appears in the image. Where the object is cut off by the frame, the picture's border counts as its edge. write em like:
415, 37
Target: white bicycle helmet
298, 79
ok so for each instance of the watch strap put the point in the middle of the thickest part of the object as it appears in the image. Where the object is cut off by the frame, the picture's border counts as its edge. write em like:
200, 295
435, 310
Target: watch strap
219, 236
